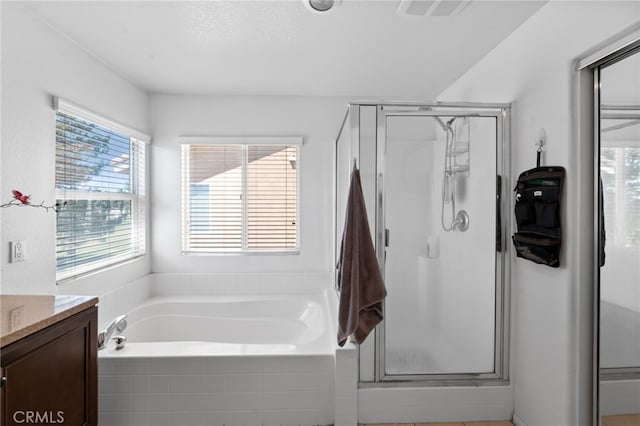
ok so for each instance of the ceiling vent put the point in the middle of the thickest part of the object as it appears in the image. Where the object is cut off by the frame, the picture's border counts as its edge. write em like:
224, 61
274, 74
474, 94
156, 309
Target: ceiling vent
418, 8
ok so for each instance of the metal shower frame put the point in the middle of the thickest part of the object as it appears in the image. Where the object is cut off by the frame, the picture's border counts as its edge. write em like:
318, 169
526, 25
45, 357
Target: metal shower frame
501, 113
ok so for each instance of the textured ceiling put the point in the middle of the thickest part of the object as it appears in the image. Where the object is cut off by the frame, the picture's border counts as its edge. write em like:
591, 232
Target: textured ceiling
359, 49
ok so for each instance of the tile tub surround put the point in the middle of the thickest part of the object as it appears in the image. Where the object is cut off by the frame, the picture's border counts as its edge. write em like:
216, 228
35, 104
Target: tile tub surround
219, 389
232, 283
346, 385
230, 391
117, 299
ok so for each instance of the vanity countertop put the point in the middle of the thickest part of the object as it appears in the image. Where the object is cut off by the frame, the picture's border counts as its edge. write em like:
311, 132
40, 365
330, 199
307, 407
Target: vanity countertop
22, 315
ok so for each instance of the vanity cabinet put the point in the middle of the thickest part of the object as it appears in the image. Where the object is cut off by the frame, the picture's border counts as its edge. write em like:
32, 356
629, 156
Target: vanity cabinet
50, 375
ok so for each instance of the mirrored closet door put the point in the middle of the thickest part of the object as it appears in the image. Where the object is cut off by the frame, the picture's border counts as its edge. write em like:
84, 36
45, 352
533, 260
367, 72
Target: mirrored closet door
618, 152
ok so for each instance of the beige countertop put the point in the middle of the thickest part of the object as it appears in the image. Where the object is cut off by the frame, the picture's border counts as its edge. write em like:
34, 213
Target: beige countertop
22, 315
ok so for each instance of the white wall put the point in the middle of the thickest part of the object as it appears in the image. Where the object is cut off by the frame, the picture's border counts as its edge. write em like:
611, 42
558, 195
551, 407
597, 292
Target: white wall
533, 68
316, 119
38, 63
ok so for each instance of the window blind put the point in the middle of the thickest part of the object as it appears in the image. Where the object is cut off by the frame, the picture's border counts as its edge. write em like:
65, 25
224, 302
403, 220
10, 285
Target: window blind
100, 181
239, 198
620, 171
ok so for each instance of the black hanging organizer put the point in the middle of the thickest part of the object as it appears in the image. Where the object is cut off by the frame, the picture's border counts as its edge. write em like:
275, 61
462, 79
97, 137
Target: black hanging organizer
537, 210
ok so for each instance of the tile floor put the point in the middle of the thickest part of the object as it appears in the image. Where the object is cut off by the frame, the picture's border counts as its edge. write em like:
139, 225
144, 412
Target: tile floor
623, 420
485, 423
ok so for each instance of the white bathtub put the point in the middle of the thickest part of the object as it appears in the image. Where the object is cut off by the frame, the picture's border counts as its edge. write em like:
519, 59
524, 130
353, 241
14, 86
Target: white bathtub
232, 360
226, 325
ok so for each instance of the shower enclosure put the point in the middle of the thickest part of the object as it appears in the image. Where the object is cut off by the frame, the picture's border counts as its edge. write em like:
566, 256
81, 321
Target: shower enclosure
435, 183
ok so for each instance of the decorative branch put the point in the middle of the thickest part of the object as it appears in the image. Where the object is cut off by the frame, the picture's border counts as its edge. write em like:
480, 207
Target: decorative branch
22, 200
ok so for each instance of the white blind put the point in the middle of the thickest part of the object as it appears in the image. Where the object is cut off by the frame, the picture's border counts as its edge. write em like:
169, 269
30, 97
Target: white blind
239, 198
620, 171
100, 179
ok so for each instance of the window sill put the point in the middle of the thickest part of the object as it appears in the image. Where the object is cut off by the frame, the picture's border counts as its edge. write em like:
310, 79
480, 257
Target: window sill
242, 253
98, 269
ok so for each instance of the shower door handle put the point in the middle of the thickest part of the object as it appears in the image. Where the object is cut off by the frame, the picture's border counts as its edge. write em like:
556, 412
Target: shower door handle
498, 213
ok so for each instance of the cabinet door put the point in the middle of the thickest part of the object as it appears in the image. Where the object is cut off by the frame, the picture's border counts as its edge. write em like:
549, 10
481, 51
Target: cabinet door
51, 376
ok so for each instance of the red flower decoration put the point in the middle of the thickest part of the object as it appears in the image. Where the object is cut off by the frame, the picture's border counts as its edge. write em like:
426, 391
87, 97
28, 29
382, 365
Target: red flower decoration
24, 199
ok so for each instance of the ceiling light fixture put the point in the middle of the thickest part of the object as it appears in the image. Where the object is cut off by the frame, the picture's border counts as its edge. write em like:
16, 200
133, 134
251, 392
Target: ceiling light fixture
320, 6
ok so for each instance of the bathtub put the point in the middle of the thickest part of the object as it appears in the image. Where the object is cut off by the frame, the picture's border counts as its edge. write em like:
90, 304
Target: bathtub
226, 325
195, 360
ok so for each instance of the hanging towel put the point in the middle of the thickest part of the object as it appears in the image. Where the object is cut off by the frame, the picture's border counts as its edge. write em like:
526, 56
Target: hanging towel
603, 231
361, 286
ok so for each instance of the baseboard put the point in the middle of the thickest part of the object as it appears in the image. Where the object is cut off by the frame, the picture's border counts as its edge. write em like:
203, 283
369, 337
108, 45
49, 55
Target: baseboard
619, 397
434, 404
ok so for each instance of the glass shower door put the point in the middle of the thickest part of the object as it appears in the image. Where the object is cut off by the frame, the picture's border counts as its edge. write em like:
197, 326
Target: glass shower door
440, 244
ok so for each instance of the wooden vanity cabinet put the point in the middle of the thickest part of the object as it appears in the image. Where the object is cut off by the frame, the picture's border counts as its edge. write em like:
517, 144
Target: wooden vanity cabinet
50, 376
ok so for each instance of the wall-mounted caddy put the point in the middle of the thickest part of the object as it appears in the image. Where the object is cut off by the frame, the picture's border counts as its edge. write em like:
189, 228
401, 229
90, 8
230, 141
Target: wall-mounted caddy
537, 210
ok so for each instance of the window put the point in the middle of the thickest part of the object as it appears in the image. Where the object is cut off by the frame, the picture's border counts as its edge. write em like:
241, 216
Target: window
100, 178
620, 168
240, 197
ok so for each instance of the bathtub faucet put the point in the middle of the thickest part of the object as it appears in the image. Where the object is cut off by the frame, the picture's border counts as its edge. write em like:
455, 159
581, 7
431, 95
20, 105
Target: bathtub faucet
118, 324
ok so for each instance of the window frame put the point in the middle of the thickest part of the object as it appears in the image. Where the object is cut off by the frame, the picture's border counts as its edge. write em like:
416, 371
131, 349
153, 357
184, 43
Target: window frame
245, 142
137, 196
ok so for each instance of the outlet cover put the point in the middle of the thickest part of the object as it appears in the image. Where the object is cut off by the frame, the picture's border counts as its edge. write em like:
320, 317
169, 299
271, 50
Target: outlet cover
16, 318
16, 250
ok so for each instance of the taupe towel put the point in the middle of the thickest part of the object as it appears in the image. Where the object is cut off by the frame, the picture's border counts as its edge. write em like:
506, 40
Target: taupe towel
361, 285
